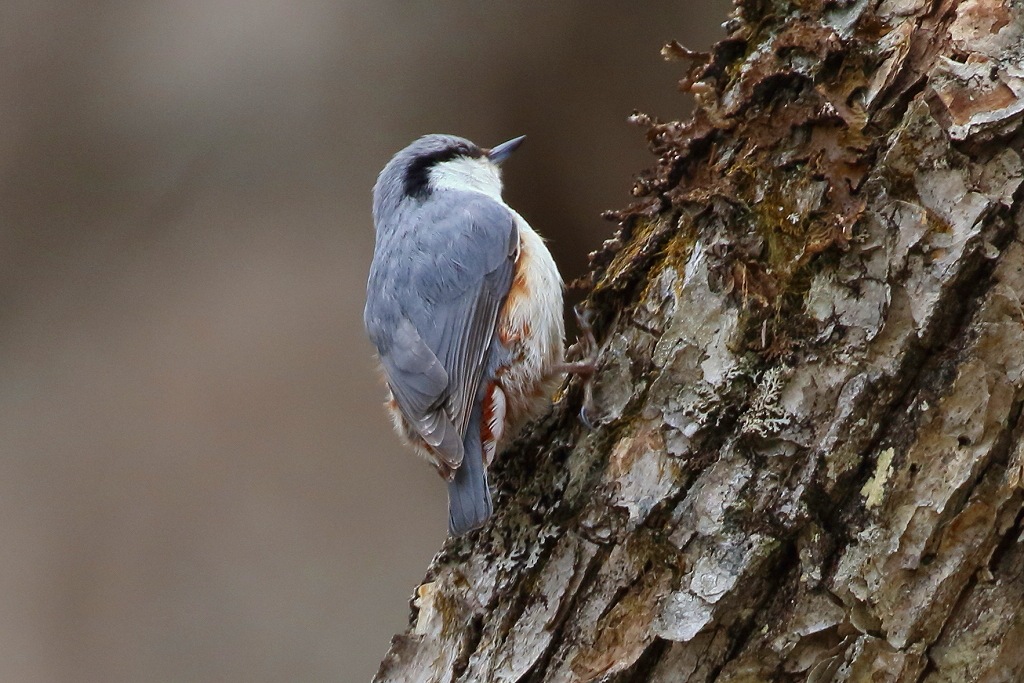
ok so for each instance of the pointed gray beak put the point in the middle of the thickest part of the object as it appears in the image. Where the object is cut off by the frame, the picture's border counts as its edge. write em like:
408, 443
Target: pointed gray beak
504, 150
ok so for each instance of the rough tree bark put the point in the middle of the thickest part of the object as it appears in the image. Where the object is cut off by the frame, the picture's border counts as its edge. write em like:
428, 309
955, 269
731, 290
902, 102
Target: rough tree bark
808, 463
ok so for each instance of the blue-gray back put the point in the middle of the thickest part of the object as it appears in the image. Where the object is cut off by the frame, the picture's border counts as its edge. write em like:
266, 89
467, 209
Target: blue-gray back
441, 271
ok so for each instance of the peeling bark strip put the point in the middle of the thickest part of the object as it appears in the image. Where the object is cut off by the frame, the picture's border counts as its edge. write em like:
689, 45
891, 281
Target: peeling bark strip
810, 464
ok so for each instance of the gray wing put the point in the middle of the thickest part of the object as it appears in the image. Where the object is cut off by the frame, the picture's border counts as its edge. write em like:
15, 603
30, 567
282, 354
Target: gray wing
436, 288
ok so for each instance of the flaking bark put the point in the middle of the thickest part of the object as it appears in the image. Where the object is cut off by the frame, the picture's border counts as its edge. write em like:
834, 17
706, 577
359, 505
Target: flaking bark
808, 463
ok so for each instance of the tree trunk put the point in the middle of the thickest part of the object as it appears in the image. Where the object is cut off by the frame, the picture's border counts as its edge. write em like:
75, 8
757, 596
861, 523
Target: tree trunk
808, 461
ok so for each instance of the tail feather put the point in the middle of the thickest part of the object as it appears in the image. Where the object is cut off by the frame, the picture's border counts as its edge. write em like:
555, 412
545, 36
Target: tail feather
469, 497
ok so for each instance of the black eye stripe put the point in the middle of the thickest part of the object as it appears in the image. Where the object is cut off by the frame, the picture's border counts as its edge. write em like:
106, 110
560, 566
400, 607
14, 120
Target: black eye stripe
417, 174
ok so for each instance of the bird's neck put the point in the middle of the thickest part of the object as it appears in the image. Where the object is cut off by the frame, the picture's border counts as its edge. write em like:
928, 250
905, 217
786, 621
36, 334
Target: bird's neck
468, 175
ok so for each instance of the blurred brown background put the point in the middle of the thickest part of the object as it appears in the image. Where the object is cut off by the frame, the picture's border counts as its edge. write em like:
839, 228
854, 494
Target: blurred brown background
196, 479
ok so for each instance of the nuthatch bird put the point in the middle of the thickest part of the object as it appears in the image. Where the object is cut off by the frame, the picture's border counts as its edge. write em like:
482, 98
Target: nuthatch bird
464, 305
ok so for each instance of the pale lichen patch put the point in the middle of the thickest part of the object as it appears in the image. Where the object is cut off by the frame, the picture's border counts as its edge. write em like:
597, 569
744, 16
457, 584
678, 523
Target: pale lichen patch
874, 488
765, 416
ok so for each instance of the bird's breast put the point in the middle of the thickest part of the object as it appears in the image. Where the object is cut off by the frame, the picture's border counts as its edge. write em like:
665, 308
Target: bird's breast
532, 329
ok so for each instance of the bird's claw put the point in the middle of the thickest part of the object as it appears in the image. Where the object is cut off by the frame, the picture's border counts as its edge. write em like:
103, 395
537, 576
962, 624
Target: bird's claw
585, 349
586, 343
584, 415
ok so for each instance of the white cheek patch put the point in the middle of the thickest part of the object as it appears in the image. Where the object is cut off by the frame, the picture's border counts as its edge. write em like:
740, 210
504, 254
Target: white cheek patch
468, 175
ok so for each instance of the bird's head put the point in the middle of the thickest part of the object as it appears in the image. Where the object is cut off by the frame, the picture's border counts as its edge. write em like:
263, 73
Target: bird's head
437, 162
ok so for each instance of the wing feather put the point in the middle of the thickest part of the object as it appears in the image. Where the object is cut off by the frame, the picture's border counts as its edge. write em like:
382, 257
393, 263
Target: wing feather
435, 292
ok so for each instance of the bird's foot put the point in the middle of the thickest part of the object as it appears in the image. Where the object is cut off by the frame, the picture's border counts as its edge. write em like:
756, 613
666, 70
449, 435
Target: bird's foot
584, 351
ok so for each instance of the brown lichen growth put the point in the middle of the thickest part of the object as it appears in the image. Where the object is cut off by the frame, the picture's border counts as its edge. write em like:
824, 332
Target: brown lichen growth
776, 152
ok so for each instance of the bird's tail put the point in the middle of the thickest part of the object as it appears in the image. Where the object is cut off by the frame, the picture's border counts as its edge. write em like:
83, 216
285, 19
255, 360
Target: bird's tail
469, 497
